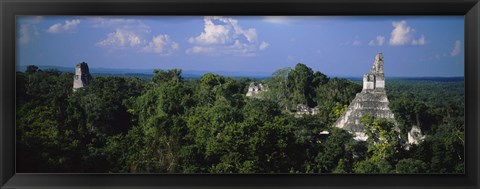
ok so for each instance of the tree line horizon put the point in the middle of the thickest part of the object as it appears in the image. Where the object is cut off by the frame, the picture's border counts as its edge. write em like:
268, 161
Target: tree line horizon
195, 74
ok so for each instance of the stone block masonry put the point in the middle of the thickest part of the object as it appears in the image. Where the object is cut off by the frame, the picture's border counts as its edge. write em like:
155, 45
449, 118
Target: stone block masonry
371, 100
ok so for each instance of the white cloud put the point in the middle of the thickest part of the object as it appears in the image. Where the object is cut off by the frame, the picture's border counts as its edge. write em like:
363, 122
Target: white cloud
378, 41
121, 38
27, 28
56, 28
225, 32
420, 41
456, 48
70, 24
402, 34
198, 49
224, 35
161, 44
357, 41
24, 34
132, 34
213, 34
250, 34
263, 45
59, 28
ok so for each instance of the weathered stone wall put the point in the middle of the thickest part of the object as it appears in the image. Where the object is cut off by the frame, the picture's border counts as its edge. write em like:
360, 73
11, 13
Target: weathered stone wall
373, 103
375, 79
368, 82
380, 84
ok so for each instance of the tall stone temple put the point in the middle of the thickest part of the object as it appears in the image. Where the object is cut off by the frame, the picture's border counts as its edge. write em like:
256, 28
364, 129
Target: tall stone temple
371, 100
82, 76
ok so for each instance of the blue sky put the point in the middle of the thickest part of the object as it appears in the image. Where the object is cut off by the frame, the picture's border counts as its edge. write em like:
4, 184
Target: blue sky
336, 46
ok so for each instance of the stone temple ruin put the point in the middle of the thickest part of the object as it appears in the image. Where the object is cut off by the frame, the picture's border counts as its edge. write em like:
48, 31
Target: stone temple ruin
254, 91
371, 100
82, 76
415, 135
305, 110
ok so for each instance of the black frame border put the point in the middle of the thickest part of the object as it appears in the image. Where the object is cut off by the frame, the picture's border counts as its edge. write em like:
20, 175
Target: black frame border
10, 8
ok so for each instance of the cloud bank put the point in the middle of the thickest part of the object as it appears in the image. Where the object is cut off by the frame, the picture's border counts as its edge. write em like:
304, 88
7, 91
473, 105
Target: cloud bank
67, 26
456, 48
402, 34
223, 35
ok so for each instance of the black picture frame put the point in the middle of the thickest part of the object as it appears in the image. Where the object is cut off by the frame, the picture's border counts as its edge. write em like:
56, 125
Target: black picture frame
10, 8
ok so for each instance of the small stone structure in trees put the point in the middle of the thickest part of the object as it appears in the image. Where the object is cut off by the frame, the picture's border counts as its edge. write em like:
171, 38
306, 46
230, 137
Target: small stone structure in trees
254, 91
415, 135
305, 110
